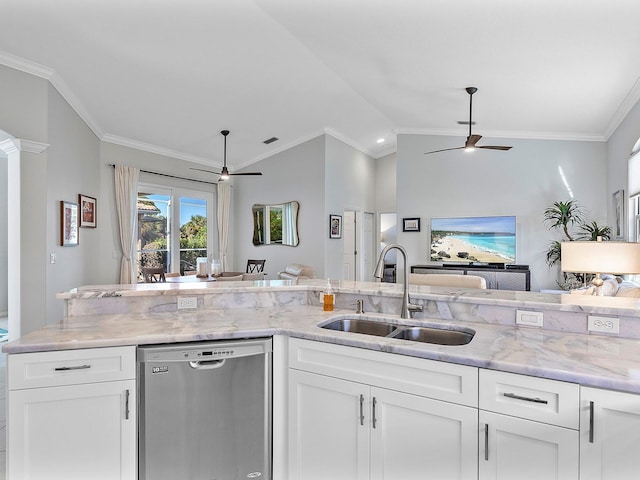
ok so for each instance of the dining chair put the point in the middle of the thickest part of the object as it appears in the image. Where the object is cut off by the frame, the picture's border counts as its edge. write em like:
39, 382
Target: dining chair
255, 266
153, 274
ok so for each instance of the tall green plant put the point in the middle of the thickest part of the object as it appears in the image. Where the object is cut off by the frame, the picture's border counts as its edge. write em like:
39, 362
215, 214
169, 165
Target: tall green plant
563, 215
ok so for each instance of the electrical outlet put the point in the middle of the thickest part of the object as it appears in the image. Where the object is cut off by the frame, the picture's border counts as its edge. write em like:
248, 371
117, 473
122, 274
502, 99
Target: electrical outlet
603, 324
187, 302
531, 319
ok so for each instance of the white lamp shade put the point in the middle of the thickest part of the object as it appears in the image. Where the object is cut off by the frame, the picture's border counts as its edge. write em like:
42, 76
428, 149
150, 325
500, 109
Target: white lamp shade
600, 257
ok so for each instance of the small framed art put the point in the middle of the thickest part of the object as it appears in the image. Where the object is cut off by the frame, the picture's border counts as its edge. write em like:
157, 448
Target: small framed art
88, 211
68, 224
618, 210
410, 224
335, 226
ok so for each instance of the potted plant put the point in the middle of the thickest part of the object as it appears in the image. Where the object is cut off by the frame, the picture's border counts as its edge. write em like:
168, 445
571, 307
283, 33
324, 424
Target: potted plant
564, 216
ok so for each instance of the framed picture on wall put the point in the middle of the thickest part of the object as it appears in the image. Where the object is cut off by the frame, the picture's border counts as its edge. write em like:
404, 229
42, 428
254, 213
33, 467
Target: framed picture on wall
618, 210
68, 224
335, 226
410, 224
87, 211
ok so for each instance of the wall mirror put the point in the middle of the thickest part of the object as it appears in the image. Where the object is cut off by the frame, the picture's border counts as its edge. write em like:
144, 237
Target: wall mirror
276, 224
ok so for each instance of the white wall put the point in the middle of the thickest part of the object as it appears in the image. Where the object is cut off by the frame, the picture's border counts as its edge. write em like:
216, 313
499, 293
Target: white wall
520, 182
295, 174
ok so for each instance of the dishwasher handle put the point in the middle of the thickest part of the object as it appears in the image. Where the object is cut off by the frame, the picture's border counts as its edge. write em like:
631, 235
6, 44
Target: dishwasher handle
207, 364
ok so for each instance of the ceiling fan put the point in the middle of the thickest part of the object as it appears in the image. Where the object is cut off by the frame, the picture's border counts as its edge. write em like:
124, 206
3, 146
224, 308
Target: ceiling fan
224, 174
472, 140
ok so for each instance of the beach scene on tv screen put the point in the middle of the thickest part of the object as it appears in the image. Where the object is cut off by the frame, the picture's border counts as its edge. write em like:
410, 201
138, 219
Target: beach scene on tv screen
473, 239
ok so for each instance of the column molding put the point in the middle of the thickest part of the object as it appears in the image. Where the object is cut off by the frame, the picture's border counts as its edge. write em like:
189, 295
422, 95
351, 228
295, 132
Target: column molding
12, 145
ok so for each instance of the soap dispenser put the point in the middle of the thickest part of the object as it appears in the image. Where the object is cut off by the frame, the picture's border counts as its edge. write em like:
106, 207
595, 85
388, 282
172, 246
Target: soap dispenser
328, 297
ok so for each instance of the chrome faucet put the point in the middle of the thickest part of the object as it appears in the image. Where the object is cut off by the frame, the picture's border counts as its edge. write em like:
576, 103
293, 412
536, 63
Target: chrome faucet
407, 307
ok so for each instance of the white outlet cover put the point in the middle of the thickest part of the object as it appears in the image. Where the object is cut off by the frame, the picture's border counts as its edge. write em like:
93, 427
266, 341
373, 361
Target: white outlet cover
603, 324
187, 302
531, 319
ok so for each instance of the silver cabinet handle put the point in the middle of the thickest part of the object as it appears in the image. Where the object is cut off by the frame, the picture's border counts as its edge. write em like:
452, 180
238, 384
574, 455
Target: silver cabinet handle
486, 441
526, 399
126, 404
361, 409
591, 419
76, 367
373, 418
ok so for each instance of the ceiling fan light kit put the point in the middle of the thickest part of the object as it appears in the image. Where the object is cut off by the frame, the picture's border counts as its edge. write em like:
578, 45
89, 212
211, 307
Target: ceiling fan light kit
472, 140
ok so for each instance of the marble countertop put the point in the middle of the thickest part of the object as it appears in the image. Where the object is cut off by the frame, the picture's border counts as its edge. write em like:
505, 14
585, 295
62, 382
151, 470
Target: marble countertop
592, 360
531, 300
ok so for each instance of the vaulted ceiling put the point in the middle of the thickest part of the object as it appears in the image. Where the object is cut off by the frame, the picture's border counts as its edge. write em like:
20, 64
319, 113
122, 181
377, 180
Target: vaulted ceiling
168, 75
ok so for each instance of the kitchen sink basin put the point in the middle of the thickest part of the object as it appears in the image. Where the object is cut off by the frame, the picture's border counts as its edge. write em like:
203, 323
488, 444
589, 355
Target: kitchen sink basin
368, 327
381, 328
439, 336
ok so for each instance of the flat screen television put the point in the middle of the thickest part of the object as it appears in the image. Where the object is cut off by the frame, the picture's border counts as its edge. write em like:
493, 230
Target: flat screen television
474, 240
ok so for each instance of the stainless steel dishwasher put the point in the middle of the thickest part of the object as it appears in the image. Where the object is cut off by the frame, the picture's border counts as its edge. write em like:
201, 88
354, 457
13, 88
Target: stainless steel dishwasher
205, 410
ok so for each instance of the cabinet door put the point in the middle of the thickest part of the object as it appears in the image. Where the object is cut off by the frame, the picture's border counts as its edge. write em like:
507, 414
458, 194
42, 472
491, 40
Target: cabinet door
73, 432
328, 428
513, 448
609, 435
414, 437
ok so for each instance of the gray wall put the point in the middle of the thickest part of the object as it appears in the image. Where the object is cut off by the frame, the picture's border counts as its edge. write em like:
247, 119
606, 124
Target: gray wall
520, 182
295, 174
349, 185
3, 234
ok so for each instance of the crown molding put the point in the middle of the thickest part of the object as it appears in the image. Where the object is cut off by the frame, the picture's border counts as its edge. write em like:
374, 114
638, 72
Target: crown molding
25, 65
147, 147
11, 145
623, 110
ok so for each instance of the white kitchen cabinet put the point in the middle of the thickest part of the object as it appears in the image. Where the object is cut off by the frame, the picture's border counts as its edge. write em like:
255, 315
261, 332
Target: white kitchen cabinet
326, 437
340, 428
528, 428
514, 448
64, 422
609, 435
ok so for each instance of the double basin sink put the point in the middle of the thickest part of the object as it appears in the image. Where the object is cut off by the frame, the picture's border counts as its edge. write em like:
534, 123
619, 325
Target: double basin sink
445, 335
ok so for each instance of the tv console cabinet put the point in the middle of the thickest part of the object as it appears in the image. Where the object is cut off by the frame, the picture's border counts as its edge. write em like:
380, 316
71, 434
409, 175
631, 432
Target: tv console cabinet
498, 278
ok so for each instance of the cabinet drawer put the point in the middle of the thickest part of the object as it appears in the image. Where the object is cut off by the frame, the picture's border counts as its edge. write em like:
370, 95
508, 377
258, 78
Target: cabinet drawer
71, 367
539, 399
427, 378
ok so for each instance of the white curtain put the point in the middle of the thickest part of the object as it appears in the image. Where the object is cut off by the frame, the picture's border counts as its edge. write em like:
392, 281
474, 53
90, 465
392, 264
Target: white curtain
126, 182
289, 216
224, 208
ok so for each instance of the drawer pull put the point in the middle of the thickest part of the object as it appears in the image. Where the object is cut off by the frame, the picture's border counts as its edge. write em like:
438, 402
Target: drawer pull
591, 419
126, 404
526, 399
76, 367
486, 441
361, 409
373, 416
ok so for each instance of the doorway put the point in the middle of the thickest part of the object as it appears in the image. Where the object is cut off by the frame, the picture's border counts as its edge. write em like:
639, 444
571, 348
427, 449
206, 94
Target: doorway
359, 248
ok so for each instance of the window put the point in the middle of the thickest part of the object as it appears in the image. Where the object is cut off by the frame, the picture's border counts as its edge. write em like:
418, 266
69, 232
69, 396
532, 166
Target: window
175, 227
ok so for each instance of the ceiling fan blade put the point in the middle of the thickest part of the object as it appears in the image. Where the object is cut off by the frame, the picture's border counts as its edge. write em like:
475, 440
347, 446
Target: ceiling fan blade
472, 140
444, 150
494, 147
203, 170
247, 173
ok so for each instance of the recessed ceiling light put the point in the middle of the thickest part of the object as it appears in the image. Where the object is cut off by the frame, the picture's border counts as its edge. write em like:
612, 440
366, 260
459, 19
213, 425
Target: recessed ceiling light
380, 140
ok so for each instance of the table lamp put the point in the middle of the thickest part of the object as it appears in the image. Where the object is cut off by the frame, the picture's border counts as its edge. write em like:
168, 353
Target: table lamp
600, 257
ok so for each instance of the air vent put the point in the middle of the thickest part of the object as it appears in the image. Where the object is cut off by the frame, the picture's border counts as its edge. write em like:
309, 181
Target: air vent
270, 140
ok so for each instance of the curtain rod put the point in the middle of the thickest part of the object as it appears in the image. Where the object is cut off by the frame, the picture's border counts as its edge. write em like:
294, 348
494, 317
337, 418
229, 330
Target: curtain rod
171, 176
